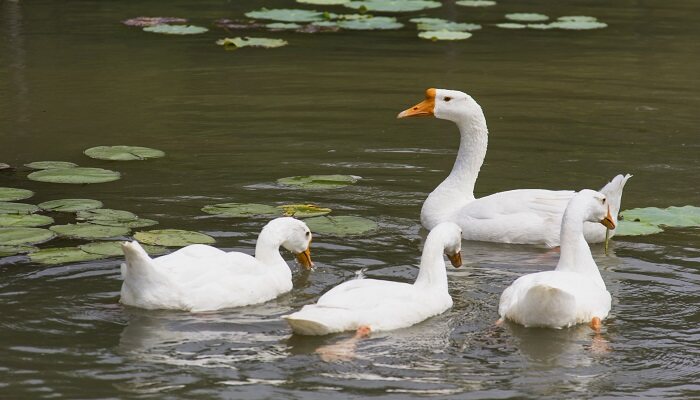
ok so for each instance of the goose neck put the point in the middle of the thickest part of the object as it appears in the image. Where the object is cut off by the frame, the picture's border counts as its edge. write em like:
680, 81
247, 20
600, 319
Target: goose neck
432, 271
575, 253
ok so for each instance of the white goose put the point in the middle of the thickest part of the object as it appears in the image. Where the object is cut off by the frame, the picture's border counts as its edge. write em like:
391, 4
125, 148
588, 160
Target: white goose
370, 305
204, 278
574, 292
515, 216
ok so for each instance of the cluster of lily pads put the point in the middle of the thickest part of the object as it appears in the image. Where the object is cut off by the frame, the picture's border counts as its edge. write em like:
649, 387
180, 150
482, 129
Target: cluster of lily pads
362, 18
650, 220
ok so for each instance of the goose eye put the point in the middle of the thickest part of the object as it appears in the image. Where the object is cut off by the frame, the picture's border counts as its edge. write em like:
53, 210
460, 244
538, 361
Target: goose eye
308, 234
447, 98
603, 201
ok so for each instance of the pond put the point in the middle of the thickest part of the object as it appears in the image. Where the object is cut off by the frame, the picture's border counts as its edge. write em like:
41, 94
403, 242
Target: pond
566, 110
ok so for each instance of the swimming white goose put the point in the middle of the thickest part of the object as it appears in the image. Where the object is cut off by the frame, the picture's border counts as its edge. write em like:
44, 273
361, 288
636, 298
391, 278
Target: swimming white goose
574, 292
203, 278
515, 216
370, 305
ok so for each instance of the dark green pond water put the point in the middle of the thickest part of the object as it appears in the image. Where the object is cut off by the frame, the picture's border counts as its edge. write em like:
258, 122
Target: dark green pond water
565, 110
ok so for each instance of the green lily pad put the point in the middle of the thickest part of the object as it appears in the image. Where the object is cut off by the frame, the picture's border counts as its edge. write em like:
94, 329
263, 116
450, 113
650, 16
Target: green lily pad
634, 228
173, 238
12, 250
280, 26
50, 164
4, 166
241, 210
527, 17
393, 5
12, 194
106, 214
17, 208
176, 29
89, 231
685, 216
369, 24
26, 220
323, 2
475, 3
70, 205
511, 25
577, 18
251, 42
114, 249
341, 226
303, 210
319, 181
444, 35
579, 25
286, 15
62, 255
76, 175
123, 153
133, 224
541, 26
448, 26
20, 236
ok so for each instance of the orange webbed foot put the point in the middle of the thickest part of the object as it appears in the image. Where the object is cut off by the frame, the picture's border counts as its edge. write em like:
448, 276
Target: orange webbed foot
595, 324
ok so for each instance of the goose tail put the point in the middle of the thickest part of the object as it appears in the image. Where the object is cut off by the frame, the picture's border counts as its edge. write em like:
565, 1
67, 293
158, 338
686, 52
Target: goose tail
547, 306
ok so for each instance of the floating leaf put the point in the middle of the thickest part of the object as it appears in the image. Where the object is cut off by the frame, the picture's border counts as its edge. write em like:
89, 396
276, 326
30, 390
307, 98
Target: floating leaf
444, 35
475, 3
511, 25
26, 220
527, 17
62, 255
319, 181
393, 5
123, 153
672, 216
12, 250
137, 223
106, 214
303, 210
634, 228
323, 2
152, 21
173, 238
281, 26
373, 23
238, 24
12, 194
341, 226
448, 26
76, 175
17, 208
286, 15
176, 29
579, 25
577, 18
50, 164
89, 231
320, 26
541, 26
252, 42
4, 166
241, 210
70, 205
114, 249
20, 236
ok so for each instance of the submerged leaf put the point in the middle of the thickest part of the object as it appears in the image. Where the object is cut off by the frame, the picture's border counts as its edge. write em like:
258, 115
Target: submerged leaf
70, 205
123, 153
393, 5
685, 216
151, 21
17, 208
240, 210
341, 226
634, 228
527, 17
76, 175
20, 236
114, 249
286, 15
62, 255
12, 250
13, 194
176, 29
444, 35
27, 220
89, 231
173, 237
475, 3
303, 210
50, 164
252, 42
319, 181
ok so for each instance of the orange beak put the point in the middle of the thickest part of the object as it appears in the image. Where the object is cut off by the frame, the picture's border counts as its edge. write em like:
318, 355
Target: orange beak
304, 258
608, 220
425, 108
455, 259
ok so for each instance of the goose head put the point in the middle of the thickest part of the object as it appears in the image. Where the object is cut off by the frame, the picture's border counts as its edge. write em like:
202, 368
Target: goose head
451, 105
451, 236
295, 236
595, 206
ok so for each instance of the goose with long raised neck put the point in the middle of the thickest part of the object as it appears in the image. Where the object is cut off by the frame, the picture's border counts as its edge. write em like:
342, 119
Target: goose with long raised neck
525, 216
371, 305
574, 292
204, 278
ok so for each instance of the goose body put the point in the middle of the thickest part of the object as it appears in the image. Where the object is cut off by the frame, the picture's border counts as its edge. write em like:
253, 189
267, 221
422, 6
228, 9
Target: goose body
574, 292
204, 278
525, 216
381, 305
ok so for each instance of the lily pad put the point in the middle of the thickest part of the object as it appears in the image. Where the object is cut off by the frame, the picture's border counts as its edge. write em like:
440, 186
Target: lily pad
286, 15
17, 208
323, 2
4, 166
685, 216
511, 25
319, 181
78, 175
251, 42
238, 24
70, 205
527, 17
173, 238
123, 153
176, 29
241, 210
577, 18
137, 223
541, 26
12, 250
12, 194
151, 21
373, 23
26, 220
303, 210
341, 226
579, 25
282, 26
448, 26
21, 236
444, 35
475, 3
114, 249
393, 5
89, 231
634, 228
106, 214
62, 255
50, 164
